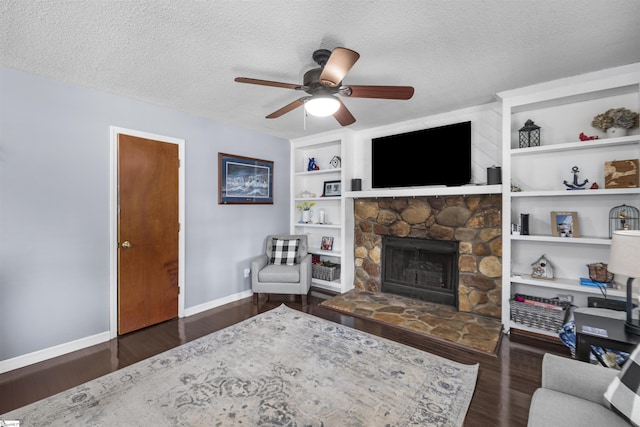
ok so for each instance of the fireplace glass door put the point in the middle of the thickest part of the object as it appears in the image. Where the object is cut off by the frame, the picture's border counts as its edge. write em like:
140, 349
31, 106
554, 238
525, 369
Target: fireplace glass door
420, 268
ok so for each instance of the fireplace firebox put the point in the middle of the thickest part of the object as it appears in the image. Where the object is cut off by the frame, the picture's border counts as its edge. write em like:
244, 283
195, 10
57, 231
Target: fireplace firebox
420, 268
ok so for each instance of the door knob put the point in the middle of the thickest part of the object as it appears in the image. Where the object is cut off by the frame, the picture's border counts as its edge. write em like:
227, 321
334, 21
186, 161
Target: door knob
126, 244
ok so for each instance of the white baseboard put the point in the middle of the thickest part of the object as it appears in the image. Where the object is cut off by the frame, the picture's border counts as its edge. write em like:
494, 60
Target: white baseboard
59, 350
51, 352
217, 303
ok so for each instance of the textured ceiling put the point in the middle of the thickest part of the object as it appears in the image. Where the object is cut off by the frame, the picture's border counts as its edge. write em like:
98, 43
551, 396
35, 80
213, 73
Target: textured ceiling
185, 54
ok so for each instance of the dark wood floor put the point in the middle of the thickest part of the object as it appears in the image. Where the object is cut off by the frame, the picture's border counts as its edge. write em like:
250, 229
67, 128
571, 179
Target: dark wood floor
502, 395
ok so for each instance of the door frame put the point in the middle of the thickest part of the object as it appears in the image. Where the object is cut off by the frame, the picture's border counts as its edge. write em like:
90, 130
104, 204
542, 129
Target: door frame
114, 131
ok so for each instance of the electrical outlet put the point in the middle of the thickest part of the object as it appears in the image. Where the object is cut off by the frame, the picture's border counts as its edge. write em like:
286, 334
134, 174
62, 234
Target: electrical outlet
247, 272
567, 298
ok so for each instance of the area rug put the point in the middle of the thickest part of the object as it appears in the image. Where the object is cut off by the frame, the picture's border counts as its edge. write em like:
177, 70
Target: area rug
478, 333
279, 368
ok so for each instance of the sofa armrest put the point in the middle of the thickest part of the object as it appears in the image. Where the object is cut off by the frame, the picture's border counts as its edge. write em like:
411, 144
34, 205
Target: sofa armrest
305, 271
258, 264
576, 378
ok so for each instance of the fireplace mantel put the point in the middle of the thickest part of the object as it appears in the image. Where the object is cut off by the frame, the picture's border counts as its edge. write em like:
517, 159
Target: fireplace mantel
426, 191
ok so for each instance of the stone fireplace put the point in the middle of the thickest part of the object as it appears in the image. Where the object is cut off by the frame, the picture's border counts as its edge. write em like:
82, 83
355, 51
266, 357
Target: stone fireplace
472, 223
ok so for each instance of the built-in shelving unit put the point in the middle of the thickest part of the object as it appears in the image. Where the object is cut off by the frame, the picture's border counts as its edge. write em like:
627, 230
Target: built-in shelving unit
308, 186
563, 110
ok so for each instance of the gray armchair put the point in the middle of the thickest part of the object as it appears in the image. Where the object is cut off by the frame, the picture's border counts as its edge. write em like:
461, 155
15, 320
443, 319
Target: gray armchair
275, 278
572, 394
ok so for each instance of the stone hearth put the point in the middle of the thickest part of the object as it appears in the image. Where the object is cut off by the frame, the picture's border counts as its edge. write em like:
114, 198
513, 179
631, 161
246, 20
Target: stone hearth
473, 221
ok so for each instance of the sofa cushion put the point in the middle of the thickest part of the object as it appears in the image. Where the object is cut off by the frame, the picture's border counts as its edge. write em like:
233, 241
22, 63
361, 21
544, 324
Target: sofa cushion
276, 273
623, 392
551, 408
284, 251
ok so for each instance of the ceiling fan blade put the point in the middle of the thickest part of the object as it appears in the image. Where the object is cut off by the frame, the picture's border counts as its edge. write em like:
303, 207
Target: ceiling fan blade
337, 66
382, 92
343, 115
284, 110
266, 83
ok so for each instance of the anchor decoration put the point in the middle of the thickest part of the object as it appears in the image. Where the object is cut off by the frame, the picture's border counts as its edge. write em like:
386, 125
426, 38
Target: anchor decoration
575, 185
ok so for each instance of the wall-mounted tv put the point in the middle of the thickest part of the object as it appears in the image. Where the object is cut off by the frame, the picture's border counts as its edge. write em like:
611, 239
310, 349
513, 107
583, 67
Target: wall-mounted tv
435, 156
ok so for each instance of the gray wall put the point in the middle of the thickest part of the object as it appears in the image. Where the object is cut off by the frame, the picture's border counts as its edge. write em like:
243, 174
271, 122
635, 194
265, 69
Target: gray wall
54, 207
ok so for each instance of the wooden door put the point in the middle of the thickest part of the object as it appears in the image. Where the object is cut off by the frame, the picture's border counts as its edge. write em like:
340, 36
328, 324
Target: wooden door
147, 232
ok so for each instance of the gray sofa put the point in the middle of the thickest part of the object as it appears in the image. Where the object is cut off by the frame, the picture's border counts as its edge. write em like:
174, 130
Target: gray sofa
572, 394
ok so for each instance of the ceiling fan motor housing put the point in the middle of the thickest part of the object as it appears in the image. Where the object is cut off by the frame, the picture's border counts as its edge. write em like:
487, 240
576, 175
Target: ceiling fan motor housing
311, 82
321, 56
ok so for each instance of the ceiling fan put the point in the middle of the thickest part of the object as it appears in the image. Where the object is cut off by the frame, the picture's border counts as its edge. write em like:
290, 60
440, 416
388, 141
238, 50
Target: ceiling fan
323, 83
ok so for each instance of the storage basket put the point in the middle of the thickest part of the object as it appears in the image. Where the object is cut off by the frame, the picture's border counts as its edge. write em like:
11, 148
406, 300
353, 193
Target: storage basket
542, 313
325, 271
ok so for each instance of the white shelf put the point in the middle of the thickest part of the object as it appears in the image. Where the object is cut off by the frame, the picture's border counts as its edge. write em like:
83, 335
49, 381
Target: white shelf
317, 199
318, 251
568, 285
426, 191
313, 225
568, 240
576, 193
324, 284
579, 145
319, 172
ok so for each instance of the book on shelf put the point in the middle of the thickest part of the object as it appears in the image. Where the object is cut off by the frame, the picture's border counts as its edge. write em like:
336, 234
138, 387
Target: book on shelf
528, 301
585, 281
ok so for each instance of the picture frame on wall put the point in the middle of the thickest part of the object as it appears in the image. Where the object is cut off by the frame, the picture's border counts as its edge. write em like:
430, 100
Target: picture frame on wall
565, 224
327, 243
332, 189
244, 180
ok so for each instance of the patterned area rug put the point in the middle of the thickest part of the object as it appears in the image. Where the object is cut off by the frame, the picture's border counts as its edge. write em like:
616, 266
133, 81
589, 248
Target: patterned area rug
279, 368
436, 320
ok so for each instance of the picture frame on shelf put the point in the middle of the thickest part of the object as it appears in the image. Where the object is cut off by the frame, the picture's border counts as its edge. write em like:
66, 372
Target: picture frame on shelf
327, 243
244, 180
332, 189
565, 224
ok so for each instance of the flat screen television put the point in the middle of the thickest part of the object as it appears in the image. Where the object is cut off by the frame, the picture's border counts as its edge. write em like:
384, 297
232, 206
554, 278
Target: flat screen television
434, 156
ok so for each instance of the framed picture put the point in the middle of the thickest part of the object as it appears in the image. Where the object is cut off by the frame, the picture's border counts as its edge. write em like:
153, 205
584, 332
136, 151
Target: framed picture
244, 180
327, 244
332, 189
565, 224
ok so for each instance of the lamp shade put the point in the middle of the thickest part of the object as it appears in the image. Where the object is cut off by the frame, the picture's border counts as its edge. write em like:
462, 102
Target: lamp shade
322, 105
624, 258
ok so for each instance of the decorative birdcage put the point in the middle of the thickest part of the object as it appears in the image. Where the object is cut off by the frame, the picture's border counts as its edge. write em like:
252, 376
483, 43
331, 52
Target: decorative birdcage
623, 217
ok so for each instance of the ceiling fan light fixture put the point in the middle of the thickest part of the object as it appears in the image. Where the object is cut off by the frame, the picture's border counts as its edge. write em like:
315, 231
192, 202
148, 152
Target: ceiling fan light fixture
322, 105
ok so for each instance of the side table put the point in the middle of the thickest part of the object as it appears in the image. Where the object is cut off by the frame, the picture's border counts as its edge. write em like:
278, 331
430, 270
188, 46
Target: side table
602, 328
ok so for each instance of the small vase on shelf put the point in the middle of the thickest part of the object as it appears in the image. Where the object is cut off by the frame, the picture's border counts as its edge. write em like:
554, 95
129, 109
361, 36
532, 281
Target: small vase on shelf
306, 216
615, 132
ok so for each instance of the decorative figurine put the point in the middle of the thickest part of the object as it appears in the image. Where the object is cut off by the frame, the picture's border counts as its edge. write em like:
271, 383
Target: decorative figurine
594, 186
312, 164
575, 185
584, 137
542, 269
